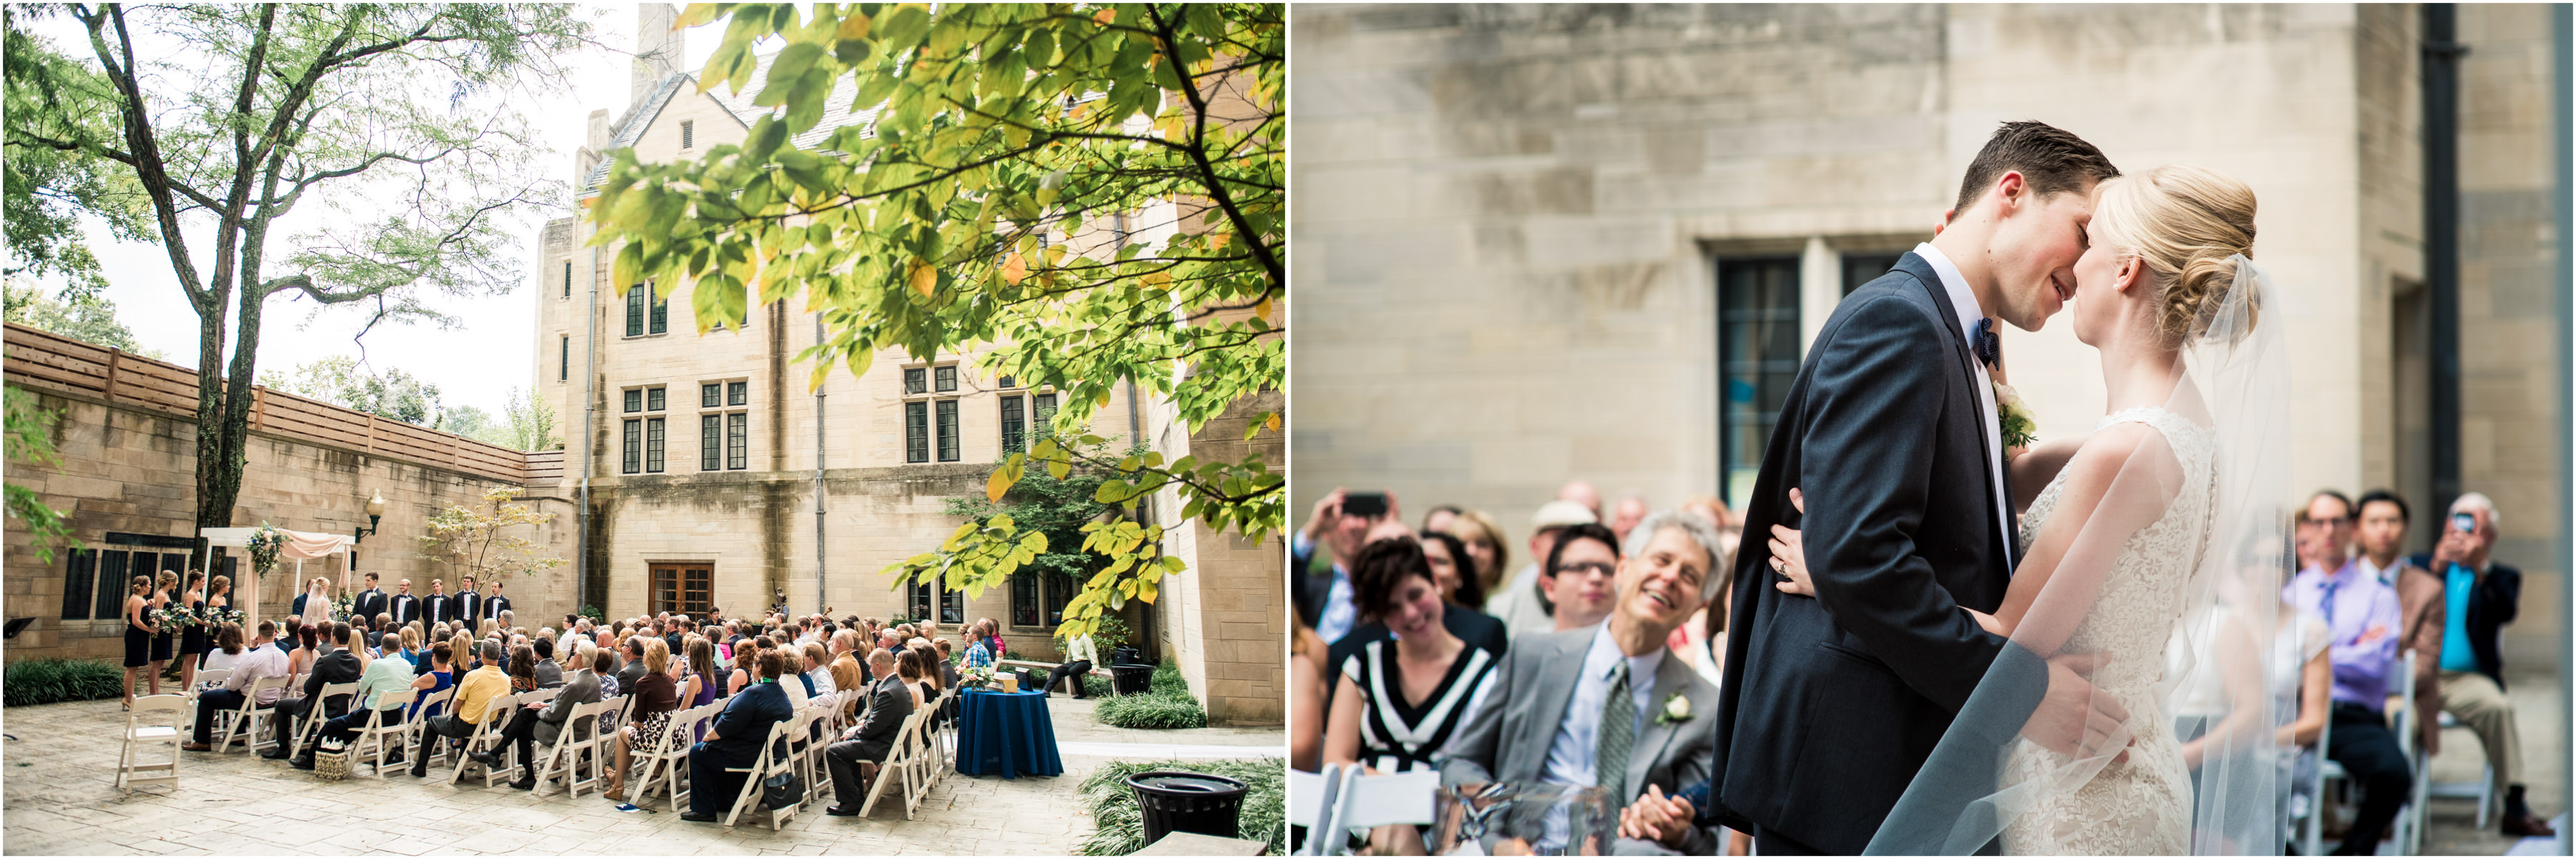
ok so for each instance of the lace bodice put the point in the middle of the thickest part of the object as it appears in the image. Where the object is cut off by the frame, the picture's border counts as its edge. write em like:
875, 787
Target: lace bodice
2142, 806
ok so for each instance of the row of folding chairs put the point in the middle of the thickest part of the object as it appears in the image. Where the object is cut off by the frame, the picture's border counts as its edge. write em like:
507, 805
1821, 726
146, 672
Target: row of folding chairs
1333, 803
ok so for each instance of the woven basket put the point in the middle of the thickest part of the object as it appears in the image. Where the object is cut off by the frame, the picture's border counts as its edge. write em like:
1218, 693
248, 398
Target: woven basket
331, 764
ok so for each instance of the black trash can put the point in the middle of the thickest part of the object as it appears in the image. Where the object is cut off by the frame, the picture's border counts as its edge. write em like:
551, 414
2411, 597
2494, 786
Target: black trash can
1174, 801
1133, 679
1125, 656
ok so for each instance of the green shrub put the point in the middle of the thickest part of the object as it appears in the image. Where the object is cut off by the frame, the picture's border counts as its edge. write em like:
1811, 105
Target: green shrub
1097, 687
1169, 706
46, 681
1121, 825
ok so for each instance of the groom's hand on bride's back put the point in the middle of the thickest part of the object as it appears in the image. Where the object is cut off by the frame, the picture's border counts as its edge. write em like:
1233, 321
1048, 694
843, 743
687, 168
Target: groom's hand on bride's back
2075, 718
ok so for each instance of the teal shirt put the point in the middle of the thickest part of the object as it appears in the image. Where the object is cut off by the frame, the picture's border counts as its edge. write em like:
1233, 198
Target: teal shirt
2457, 585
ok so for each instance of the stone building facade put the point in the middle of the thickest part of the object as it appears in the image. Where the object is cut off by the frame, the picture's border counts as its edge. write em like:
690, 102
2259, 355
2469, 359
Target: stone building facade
722, 472
1544, 242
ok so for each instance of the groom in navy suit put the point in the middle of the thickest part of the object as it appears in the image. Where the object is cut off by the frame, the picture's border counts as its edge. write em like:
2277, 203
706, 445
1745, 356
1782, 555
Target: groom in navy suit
1830, 705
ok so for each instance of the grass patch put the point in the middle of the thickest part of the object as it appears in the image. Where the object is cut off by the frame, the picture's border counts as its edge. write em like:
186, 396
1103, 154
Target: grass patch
1122, 825
1168, 707
47, 681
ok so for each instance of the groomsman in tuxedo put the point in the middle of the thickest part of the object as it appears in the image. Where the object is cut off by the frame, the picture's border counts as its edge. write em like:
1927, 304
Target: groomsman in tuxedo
1635, 719
369, 602
404, 607
434, 608
494, 604
466, 605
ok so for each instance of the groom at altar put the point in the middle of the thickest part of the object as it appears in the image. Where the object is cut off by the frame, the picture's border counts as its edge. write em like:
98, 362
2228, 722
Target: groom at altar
1632, 721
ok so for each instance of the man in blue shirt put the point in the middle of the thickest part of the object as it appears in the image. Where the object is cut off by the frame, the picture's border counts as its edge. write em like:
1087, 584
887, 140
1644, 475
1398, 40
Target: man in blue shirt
2362, 621
2482, 596
734, 741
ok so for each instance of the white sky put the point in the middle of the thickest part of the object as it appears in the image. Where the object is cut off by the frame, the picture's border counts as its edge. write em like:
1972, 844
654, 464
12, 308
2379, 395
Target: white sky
477, 365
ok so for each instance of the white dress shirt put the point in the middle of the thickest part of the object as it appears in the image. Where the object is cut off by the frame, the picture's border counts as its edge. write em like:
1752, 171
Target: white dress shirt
1964, 302
1570, 755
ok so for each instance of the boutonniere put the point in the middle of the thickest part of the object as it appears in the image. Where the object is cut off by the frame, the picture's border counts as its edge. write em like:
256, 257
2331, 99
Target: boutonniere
2012, 417
1676, 710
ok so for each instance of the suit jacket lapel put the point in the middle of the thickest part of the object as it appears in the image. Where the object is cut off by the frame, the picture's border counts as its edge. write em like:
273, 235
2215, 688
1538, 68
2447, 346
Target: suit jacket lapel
1671, 678
1931, 283
1557, 676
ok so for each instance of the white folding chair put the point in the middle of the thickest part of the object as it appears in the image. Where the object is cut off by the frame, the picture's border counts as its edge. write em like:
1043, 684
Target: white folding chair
804, 749
487, 737
168, 710
604, 737
663, 759
763, 765
213, 679
2482, 790
435, 703
1310, 803
2312, 829
563, 757
317, 711
2407, 832
898, 765
389, 723
1371, 801
245, 721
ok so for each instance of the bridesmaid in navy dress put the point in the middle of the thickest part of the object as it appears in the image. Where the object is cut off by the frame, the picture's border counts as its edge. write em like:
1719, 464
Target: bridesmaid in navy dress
139, 632
194, 642
168, 640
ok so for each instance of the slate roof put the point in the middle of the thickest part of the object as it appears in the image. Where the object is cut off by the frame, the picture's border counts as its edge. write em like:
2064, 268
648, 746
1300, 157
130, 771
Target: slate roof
640, 116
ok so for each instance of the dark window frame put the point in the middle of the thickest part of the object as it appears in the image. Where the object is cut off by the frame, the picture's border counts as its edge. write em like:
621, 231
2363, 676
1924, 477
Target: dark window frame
737, 393
945, 428
655, 399
631, 447
711, 442
916, 431
1758, 348
710, 395
1015, 424
653, 442
943, 379
635, 310
633, 400
737, 441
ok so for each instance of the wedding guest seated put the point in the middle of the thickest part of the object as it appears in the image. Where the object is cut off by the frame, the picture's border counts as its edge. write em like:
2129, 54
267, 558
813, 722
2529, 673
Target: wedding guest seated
2362, 617
735, 741
632, 672
1079, 654
1431, 678
1628, 696
656, 694
2484, 596
228, 648
604, 663
379, 677
440, 660
818, 669
799, 689
332, 665
521, 664
542, 722
947, 664
549, 674
258, 661
1580, 575
854, 759
2379, 532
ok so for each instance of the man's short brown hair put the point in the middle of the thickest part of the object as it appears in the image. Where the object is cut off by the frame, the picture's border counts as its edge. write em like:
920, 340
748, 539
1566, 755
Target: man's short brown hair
2051, 160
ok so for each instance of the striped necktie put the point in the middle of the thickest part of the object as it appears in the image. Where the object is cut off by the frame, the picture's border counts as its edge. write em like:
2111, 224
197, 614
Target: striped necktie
1618, 736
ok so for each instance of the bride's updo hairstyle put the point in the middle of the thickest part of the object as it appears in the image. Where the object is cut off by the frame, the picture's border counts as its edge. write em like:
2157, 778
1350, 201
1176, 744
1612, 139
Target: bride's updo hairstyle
2186, 223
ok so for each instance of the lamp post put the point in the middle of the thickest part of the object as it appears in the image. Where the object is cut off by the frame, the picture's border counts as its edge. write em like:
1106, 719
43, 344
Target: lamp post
375, 513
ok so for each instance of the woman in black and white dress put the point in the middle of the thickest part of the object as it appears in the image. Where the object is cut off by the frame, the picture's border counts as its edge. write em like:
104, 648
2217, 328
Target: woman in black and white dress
1402, 700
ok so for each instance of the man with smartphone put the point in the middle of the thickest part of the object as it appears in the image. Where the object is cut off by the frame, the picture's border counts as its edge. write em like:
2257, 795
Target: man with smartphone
1341, 522
2481, 597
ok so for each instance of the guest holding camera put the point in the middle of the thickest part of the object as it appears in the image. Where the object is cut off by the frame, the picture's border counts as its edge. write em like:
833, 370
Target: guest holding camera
2482, 596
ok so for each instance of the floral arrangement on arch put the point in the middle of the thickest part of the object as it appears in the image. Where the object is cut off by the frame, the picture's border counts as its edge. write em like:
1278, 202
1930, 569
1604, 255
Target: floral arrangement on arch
264, 545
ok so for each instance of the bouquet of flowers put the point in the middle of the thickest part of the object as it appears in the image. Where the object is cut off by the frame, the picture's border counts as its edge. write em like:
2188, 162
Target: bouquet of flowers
978, 678
342, 607
220, 615
173, 618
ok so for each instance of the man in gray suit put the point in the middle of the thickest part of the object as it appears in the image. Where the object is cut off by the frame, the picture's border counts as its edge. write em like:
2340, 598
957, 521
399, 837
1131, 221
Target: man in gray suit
1634, 717
543, 722
855, 758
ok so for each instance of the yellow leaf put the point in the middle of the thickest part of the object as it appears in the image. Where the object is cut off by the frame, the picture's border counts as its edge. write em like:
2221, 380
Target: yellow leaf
1000, 483
1273, 423
1157, 279
1105, 17
853, 27
1216, 241
1262, 308
1014, 269
924, 277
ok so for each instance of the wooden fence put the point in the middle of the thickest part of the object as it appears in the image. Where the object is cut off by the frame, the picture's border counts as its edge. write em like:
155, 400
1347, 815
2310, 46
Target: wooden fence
44, 361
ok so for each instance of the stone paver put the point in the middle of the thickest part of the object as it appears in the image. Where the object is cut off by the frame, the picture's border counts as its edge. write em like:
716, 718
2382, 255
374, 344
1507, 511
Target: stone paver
60, 798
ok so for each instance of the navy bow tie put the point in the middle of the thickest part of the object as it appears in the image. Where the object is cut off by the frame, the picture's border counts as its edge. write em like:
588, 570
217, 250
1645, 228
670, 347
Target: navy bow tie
1988, 346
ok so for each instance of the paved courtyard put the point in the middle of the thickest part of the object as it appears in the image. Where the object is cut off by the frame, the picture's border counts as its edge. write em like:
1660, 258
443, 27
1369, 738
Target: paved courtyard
61, 799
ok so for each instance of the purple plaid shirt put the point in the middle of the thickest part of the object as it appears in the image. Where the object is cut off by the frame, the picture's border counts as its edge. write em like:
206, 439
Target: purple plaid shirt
2361, 620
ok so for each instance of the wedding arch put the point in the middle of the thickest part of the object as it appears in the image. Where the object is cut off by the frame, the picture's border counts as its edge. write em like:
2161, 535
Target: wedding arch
299, 546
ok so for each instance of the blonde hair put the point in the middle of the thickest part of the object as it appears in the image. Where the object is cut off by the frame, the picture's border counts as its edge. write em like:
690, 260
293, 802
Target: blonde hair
657, 656
2186, 224
1473, 526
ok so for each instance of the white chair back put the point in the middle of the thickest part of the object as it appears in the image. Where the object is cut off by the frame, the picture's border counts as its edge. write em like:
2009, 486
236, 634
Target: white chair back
1310, 803
169, 711
1370, 801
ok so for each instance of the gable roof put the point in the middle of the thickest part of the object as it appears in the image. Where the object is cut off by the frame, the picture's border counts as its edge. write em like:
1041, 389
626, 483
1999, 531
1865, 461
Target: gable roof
639, 116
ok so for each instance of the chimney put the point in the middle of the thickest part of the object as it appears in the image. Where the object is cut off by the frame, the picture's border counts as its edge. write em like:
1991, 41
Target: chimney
658, 48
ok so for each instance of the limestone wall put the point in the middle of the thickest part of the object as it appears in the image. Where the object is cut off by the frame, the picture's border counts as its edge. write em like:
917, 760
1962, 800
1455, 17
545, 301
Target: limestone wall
132, 470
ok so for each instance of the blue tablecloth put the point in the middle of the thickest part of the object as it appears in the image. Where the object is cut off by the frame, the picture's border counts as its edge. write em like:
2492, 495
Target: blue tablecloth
1006, 734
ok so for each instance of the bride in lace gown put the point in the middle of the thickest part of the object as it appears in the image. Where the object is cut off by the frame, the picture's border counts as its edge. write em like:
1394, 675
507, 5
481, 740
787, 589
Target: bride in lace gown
2114, 550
